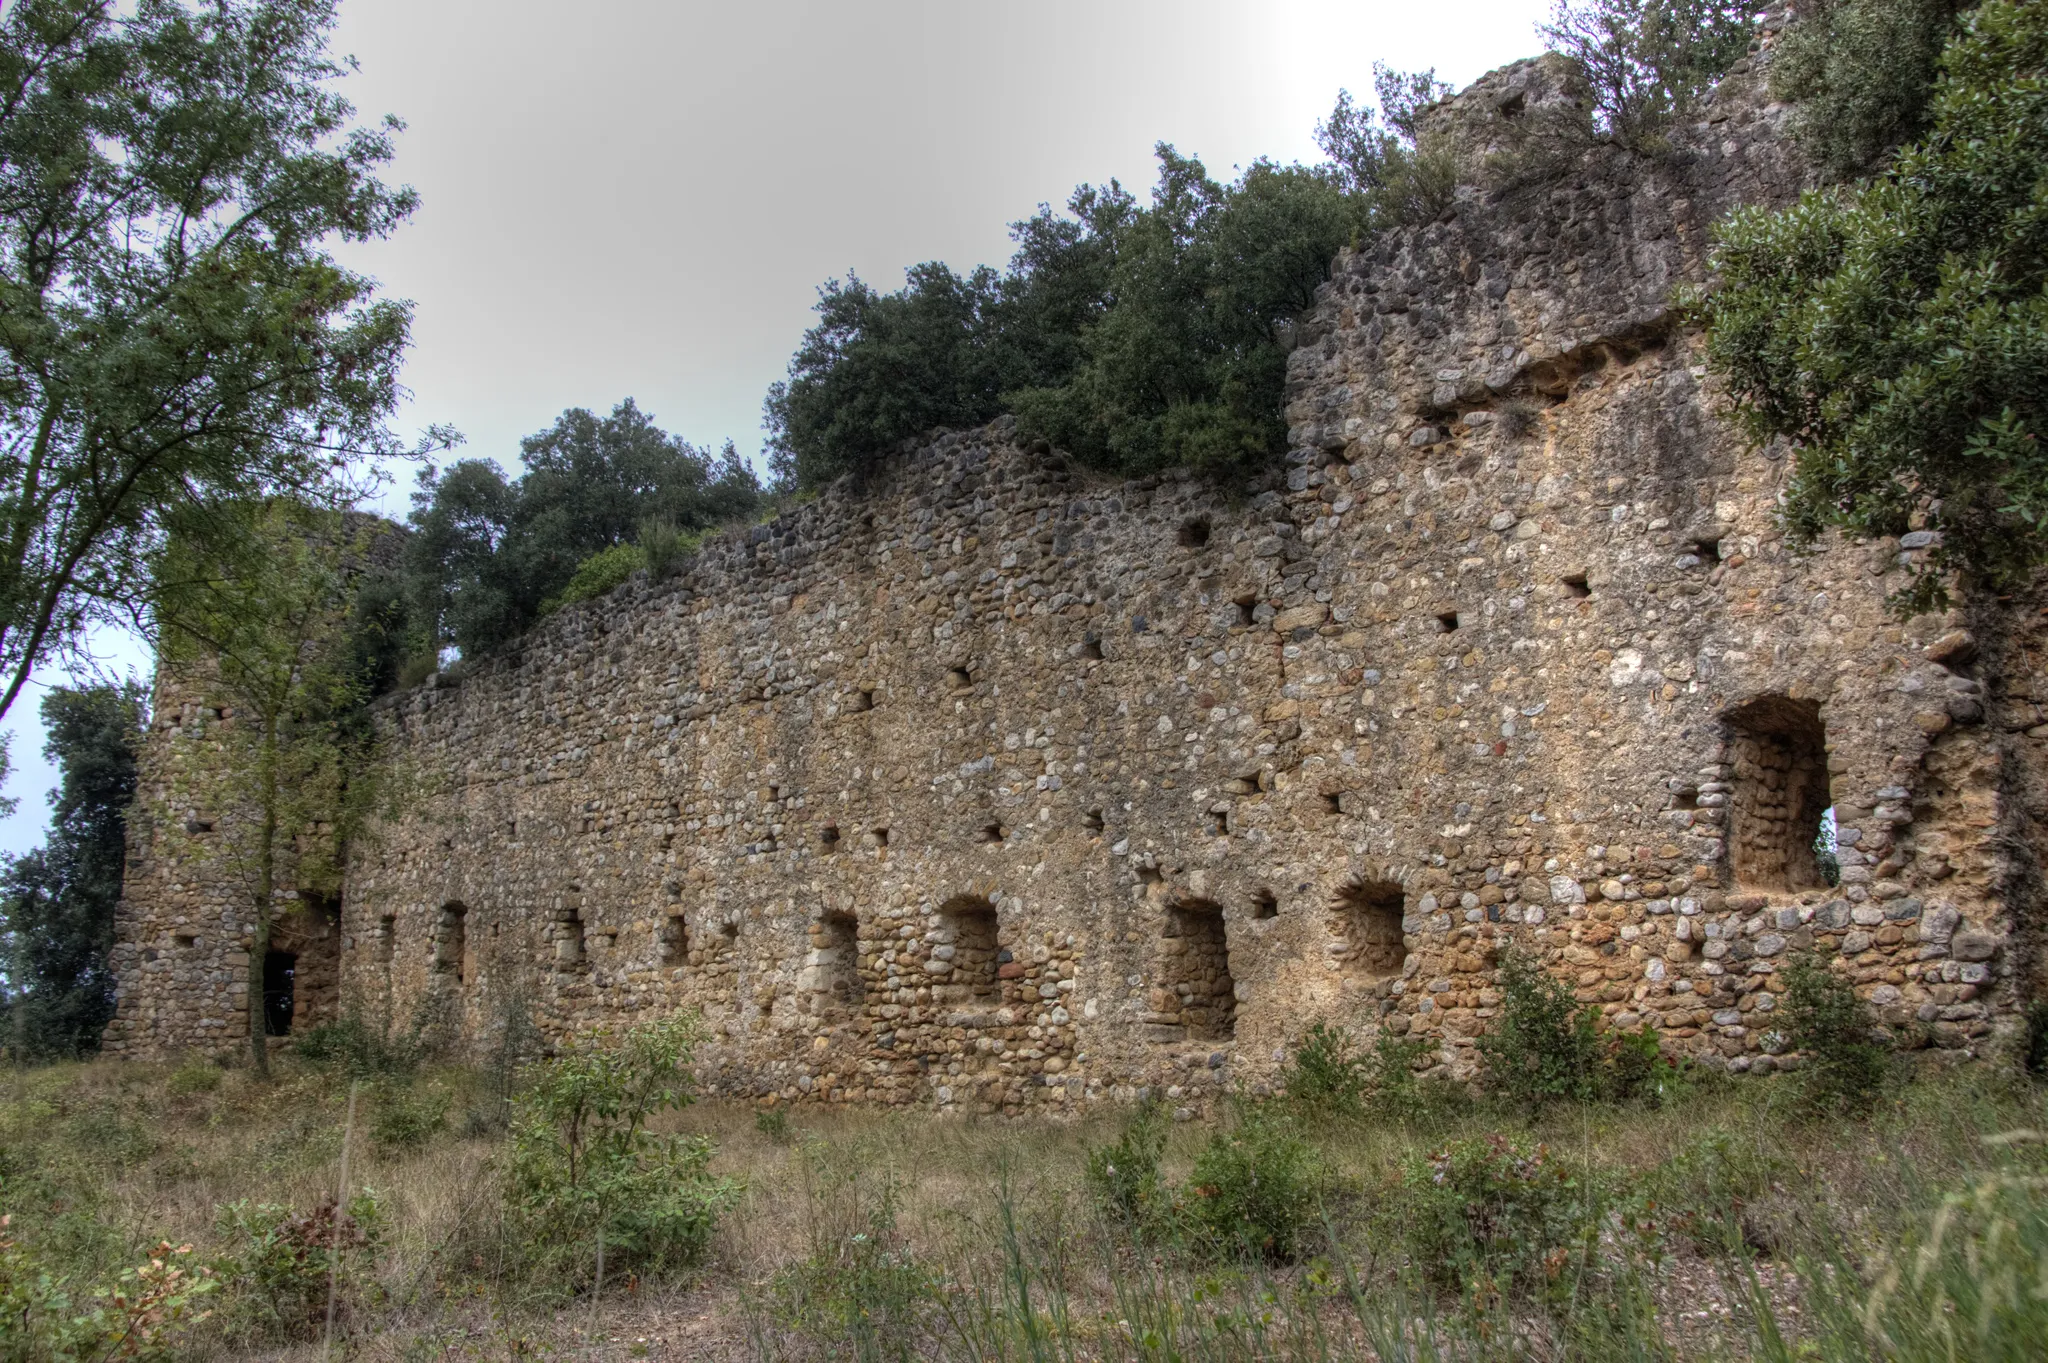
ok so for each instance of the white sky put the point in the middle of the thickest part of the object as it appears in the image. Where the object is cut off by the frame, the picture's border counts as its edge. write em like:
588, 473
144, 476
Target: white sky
640, 197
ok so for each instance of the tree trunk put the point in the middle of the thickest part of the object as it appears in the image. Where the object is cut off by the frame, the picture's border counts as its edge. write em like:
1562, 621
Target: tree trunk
266, 885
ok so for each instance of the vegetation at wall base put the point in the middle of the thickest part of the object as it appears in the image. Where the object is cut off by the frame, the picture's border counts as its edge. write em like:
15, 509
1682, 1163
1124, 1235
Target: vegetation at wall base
1895, 332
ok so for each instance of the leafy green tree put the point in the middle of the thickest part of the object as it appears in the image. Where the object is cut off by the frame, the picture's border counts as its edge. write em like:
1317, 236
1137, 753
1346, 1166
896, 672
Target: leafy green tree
1185, 367
1896, 333
1863, 74
488, 553
1401, 174
173, 331
57, 902
263, 627
1647, 63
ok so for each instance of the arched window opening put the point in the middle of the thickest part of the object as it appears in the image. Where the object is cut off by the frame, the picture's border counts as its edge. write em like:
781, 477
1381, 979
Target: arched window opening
968, 949
1780, 798
1196, 997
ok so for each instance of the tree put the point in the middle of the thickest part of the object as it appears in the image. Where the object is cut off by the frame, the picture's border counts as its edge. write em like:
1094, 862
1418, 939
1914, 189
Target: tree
1646, 63
487, 554
57, 902
1863, 73
1402, 174
173, 332
1896, 333
263, 626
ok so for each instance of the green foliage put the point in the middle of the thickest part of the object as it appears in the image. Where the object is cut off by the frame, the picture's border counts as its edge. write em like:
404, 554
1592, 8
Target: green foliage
1134, 338
489, 556
405, 1117
2034, 1053
1543, 1047
1398, 172
350, 1048
278, 1264
1846, 1067
1862, 72
1326, 1076
57, 902
1701, 1190
1257, 1189
597, 575
664, 546
1498, 1214
583, 1161
178, 335
1897, 332
145, 1316
1124, 1175
1648, 63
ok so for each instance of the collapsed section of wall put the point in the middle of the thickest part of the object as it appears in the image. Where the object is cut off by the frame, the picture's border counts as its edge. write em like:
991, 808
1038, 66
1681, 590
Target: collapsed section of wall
1002, 786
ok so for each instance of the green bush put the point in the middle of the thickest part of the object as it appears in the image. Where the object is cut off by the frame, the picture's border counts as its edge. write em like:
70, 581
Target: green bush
1326, 1077
1543, 1047
664, 547
351, 1049
1497, 1214
1701, 1191
1862, 73
773, 1122
594, 576
584, 1163
1257, 1190
145, 1316
278, 1263
1846, 1067
1896, 333
1124, 1175
406, 1117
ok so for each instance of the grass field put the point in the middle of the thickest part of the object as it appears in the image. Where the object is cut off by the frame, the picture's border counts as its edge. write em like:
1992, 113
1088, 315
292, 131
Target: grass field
1731, 1221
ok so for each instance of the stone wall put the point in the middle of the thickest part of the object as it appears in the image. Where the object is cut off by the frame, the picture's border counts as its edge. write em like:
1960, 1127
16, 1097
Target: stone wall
998, 785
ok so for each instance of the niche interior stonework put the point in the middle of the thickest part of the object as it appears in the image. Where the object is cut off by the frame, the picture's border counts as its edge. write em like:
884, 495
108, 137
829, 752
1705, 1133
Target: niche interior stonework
1509, 651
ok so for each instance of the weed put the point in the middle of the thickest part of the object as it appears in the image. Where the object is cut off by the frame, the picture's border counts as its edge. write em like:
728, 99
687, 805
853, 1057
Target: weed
773, 1123
279, 1264
860, 1292
1543, 1048
407, 1118
195, 1074
1498, 1214
1124, 1175
1326, 1076
351, 1049
145, 1316
1257, 1189
1846, 1068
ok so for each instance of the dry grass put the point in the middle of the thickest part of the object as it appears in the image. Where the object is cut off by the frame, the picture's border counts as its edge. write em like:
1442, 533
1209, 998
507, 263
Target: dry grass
99, 1161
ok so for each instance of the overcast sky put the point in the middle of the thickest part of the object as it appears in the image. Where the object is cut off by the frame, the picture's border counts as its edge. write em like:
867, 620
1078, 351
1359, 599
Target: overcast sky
640, 197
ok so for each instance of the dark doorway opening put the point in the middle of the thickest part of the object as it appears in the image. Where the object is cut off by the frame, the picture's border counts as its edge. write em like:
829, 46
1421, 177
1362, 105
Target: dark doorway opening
279, 968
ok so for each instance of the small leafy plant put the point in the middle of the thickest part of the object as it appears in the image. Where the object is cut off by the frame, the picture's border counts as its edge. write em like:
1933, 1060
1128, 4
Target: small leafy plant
1256, 1189
1544, 1047
1846, 1067
1498, 1214
584, 1164
1124, 1175
279, 1264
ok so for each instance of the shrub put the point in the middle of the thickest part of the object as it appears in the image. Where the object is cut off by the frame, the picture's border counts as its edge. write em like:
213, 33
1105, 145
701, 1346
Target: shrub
1862, 73
1897, 332
1846, 1067
594, 576
1256, 1190
406, 1117
1702, 1190
351, 1049
583, 1162
1634, 1069
278, 1264
145, 1316
1646, 63
1543, 1047
1326, 1077
1124, 1175
663, 547
773, 1123
1497, 1214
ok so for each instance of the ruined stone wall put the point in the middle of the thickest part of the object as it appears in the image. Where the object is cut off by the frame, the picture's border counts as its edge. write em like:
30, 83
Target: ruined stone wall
999, 785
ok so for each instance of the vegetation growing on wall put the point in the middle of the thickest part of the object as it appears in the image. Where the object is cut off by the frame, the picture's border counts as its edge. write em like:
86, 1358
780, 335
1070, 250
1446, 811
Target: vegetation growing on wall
490, 555
57, 902
1862, 72
1896, 333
